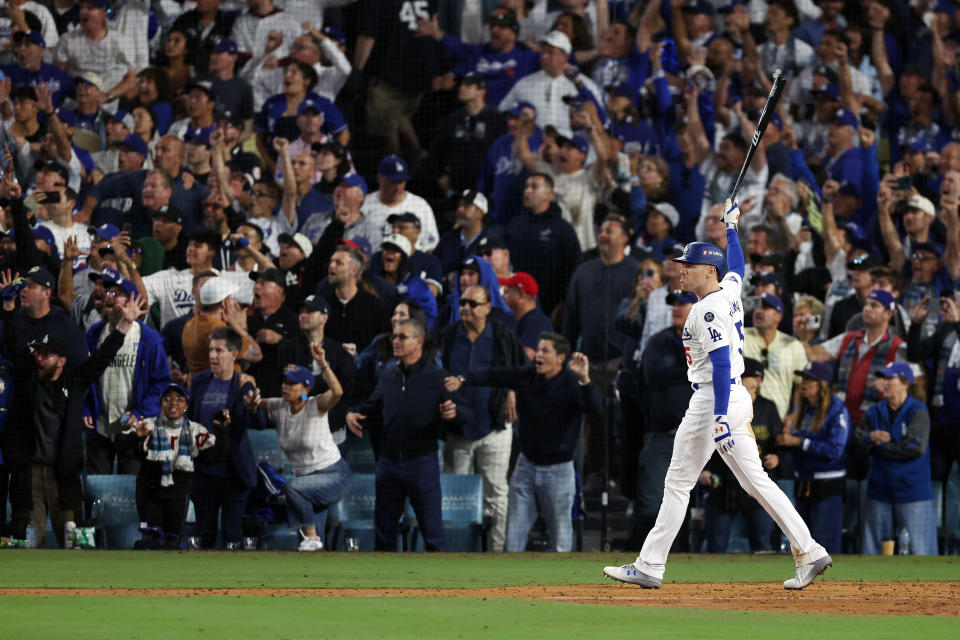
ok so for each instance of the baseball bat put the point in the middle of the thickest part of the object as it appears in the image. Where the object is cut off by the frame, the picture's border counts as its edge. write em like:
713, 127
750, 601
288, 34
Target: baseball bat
769, 107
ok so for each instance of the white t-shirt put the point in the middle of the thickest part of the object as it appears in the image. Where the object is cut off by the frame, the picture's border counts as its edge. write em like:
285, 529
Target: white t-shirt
377, 213
715, 321
60, 235
546, 94
577, 195
305, 438
108, 57
272, 227
250, 32
172, 290
116, 383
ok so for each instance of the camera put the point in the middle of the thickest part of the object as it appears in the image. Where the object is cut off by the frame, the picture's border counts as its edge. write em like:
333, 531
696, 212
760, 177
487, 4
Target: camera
220, 416
751, 304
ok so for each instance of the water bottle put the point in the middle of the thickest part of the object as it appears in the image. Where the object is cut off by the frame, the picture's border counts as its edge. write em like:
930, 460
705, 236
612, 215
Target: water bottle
31, 536
69, 534
903, 542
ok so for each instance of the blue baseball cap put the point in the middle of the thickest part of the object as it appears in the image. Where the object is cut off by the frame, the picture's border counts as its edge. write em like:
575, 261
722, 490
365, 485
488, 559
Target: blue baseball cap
355, 180
333, 31
948, 7
67, 117
773, 302
113, 277
106, 231
893, 369
848, 188
44, 233
100, 4
394, 169
928, 246
845, 117
226, 45
816, 371
829, 90
173, 386
728, 8
316, 302
518, 108
919, 143
776, 121
198, 136
309, 104
124, 118
203, 85
885, 298
682, 297
699, 6
298, 375
33, 36
136, 143
577, 141
703, 253
41, 276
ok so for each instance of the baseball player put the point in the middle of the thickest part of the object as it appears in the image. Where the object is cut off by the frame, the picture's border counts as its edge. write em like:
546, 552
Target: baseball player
718, 416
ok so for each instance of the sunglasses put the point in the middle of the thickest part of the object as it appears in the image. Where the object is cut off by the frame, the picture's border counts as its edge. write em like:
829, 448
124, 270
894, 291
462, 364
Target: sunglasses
399, 337
764, 361
473, 304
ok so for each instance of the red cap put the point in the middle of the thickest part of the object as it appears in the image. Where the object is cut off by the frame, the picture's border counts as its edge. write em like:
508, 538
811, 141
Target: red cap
522, 281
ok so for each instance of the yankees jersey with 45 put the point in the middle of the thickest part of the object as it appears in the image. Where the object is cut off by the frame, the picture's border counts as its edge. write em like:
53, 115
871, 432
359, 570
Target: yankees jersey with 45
715, 321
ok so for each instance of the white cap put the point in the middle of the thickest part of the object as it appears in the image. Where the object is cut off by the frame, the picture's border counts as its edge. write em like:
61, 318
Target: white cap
302, 242
93, 78
477, 199
400, 242
669, 212
917, 201
215, 290
559, 40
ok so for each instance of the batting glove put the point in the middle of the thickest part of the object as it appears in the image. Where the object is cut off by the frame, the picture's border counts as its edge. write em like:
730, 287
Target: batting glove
721, 434
731, 213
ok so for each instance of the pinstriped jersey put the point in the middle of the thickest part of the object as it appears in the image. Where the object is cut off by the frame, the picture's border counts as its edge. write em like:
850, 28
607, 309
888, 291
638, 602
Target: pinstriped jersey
715, 321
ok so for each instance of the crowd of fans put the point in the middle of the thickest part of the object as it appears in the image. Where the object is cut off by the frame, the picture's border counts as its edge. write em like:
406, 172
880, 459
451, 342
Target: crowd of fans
423, 221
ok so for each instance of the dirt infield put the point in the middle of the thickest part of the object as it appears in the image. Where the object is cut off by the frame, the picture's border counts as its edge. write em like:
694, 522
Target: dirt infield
850, 598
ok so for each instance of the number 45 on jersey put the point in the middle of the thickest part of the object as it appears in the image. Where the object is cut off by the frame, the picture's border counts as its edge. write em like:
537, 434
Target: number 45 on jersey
413, 11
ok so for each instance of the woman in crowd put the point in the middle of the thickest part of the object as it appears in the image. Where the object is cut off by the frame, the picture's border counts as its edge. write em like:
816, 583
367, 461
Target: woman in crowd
222, 481
817, 433
177, 70
895, 433
278, 117
322, 476
153, 93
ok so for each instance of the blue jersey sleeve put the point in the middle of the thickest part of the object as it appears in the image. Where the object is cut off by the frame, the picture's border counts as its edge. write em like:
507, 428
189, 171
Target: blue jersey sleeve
736, 263
720, 358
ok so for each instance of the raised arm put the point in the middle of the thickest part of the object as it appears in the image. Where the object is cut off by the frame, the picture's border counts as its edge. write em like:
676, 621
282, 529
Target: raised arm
885, 204
329, 398
736, 263
289, 181
951, 255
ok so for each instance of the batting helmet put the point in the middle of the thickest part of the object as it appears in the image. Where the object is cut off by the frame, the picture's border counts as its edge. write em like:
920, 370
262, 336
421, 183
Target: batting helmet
704, 253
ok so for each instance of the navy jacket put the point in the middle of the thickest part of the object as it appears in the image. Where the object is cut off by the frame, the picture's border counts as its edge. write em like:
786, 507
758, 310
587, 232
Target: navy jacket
150, 378
900, 469
664, 370
232, 450
550, 411
546, 247
822, 456
404, 410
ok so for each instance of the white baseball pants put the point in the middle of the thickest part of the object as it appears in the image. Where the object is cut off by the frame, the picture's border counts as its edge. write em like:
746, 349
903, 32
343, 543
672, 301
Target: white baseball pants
692, 448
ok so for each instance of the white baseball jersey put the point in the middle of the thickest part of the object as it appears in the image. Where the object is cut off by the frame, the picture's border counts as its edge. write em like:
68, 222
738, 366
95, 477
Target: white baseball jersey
715, 321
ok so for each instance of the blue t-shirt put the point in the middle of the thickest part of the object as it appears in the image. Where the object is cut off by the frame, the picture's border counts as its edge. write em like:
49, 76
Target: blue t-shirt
59, 81
531, 325
272, 112
214, 401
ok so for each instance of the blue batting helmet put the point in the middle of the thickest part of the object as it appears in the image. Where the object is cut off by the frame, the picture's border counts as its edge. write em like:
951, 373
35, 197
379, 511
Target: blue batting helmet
703, 253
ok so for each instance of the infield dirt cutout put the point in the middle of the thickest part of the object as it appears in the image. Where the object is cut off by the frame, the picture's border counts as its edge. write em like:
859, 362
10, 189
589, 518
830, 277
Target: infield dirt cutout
851, 598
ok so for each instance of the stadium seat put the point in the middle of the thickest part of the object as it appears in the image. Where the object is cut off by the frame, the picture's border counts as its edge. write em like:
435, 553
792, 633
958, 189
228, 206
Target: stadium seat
358, 453
266, 447
354, 514
463, 522
111, 503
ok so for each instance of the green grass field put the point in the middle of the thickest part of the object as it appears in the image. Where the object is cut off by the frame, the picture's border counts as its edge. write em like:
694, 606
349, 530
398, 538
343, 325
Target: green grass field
382, 617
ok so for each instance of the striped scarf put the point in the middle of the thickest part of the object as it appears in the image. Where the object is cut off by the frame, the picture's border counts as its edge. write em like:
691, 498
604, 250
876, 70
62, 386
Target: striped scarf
883, 352
158, 449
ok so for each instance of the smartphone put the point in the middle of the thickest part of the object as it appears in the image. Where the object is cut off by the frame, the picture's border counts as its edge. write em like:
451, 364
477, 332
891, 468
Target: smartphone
868, 123
51, 197
904, 184
127, 227
813, 322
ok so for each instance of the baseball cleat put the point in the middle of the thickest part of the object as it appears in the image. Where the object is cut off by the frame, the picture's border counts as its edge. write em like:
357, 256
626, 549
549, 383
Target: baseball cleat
806, 573
631, 575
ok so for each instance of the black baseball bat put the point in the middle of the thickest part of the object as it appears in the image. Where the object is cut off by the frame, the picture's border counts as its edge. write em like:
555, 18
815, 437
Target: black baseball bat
769, 107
